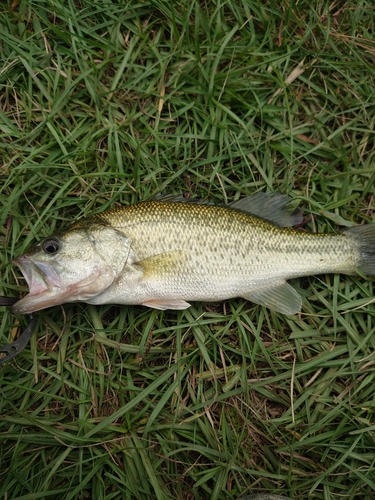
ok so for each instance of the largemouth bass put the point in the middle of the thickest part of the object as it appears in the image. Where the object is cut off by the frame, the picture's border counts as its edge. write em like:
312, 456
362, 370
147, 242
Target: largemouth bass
162, 254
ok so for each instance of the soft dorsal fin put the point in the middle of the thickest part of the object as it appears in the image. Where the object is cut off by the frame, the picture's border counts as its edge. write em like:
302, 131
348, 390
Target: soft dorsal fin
274, 207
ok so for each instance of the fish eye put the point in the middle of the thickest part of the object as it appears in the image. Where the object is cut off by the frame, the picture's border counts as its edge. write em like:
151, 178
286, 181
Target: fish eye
51, 246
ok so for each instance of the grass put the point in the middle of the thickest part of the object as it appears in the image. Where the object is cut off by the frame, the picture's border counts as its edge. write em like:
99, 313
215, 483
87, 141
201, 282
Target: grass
108, 102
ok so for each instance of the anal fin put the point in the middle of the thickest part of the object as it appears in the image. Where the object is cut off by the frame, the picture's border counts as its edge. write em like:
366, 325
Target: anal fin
282, 298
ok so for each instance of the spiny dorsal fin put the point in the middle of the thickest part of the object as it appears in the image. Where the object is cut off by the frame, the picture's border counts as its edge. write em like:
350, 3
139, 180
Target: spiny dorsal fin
179, 198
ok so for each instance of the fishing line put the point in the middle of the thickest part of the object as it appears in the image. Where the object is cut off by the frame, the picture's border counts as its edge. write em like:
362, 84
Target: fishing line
11, 350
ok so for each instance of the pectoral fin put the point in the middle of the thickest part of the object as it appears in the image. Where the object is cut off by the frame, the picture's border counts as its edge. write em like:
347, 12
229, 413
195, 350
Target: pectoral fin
281, 298
161, 265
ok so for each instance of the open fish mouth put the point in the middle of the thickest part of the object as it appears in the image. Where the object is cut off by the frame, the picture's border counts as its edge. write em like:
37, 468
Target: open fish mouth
44, 286
49, 286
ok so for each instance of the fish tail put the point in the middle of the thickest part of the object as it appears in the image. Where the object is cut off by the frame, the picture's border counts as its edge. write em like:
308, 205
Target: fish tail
365, 239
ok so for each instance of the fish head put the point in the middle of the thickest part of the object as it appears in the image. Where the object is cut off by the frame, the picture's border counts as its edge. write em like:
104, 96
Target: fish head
73, 266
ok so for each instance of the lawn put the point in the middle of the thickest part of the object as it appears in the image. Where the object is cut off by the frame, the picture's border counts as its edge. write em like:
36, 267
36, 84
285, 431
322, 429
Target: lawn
107, 102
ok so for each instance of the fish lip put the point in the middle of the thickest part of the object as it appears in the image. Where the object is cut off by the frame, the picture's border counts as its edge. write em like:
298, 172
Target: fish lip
28, 270
43, 282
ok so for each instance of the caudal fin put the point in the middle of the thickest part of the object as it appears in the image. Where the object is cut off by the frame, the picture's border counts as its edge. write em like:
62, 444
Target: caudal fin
365, 237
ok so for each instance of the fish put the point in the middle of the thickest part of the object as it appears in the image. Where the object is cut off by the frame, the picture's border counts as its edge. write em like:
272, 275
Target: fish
165, 253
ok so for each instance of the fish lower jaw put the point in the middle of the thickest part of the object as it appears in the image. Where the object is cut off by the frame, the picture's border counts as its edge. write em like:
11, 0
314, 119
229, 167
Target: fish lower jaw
35, 301
41, 297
